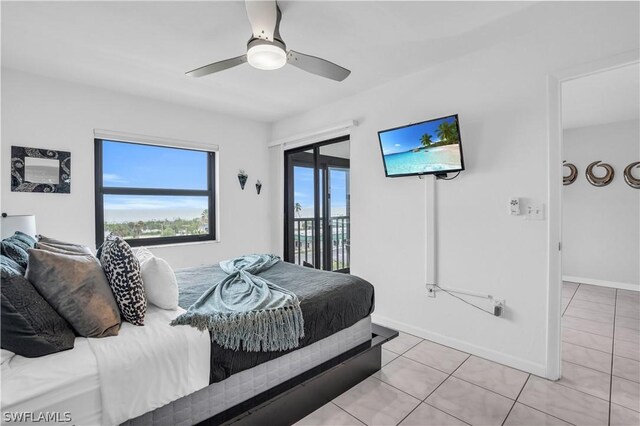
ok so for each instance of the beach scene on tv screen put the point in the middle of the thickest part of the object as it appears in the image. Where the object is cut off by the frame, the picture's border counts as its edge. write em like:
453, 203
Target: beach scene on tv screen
429, 147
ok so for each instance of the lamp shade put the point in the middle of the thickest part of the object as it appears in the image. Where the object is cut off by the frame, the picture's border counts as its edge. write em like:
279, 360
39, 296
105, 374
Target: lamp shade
22, 223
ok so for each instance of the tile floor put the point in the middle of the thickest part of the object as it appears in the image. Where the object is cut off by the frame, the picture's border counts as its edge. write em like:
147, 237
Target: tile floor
423, 383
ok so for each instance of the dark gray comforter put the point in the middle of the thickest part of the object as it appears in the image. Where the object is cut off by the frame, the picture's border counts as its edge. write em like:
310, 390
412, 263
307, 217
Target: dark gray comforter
330, 302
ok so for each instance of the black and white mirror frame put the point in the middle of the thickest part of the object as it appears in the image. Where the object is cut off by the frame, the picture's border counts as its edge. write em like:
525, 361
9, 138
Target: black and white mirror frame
31, 172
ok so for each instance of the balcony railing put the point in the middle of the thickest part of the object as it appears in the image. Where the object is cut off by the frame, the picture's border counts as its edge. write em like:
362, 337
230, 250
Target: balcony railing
304, 241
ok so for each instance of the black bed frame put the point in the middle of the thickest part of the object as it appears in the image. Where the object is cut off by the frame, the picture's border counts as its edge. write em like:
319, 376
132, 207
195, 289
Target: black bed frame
298, 397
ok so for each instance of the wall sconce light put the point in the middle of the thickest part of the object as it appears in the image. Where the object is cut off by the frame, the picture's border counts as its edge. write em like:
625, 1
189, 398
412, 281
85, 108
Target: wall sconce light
242, 178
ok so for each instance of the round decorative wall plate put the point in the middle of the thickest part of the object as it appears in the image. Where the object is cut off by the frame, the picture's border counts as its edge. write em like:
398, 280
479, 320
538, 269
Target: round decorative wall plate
631, 180
599, 181
572, 176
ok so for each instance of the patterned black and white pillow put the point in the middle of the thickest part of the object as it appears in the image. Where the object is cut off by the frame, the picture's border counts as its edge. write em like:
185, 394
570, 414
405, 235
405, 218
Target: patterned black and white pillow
123, 272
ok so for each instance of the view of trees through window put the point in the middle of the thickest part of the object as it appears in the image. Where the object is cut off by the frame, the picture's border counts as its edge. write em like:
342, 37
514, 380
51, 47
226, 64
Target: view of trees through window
159, 228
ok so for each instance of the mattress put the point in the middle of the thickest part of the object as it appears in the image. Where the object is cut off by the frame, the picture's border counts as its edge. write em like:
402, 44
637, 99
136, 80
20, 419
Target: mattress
330, 302
242, 386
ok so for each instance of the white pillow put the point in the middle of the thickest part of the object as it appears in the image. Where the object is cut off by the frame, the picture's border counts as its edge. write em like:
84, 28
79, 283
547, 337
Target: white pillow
158, 279
142, 253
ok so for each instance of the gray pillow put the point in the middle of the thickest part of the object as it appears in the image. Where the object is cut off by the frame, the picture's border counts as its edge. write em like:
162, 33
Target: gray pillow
64, 249
77, 288
51, 242
30, 326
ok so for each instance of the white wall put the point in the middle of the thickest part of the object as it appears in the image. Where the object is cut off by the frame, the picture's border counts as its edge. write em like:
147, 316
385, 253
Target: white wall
601, 225
45, 113
500, 95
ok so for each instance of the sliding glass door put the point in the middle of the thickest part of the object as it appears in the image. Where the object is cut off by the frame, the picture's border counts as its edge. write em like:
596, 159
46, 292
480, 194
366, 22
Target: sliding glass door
317, 198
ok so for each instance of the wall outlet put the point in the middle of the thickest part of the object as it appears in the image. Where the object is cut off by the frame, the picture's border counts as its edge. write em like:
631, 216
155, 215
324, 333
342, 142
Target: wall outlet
498, 307
431, 290
535, 212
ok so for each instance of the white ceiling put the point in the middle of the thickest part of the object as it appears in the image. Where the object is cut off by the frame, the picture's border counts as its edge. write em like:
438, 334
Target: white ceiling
602, 98
144, 48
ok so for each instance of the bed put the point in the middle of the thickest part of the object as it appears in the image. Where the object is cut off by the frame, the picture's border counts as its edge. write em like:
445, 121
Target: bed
158, 374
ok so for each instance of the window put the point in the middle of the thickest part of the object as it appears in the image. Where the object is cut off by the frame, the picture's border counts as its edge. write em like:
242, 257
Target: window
151, 194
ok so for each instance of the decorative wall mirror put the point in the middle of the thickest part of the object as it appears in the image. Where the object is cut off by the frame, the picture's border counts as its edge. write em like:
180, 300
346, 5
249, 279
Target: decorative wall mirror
40, 170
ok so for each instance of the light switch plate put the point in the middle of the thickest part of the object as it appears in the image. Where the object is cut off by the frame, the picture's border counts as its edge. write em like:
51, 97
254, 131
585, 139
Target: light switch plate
535, 212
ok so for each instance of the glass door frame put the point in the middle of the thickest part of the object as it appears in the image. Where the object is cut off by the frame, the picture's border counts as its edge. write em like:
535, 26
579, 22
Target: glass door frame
327, 213
321, 198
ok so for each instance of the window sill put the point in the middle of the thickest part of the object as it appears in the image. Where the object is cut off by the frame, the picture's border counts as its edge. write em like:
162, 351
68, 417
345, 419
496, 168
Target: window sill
188, 243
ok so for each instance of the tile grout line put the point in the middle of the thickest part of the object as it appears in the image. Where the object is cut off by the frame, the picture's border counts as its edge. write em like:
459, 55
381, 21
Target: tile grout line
430, 366
598, 301
443, 372
435, 389
516, 400
587, 367
544, 412
625, 316
448, 377
442, 411
372, 376
584, 331
570, 300
421, 340
599, 335
348, 413
587, 347
463, 379
590, 319
613, 344
575, 390
383, 382
452, 375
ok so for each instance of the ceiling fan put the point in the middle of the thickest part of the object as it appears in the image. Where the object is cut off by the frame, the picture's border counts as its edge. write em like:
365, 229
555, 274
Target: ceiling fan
267, 51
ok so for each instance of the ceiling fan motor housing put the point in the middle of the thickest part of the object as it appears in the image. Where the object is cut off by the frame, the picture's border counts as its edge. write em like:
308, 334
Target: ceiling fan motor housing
254, 41
266, 55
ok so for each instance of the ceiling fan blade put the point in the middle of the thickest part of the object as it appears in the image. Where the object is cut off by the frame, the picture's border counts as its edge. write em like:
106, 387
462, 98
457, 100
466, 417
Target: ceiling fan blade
217, 66
263, 16
317, 66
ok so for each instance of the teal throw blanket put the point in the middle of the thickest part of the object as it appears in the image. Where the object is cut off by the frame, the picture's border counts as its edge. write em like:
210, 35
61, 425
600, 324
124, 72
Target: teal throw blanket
246, 310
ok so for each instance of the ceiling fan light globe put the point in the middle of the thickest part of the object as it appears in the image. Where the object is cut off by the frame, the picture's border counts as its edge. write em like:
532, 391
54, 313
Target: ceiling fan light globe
266, 57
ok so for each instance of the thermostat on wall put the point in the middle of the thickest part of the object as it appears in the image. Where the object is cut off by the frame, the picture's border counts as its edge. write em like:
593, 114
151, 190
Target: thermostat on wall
514, 206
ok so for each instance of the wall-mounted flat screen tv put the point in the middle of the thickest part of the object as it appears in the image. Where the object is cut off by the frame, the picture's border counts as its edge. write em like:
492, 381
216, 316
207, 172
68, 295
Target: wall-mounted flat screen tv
429, 147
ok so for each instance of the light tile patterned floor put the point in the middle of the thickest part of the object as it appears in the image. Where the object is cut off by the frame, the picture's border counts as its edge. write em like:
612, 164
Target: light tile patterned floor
424, 383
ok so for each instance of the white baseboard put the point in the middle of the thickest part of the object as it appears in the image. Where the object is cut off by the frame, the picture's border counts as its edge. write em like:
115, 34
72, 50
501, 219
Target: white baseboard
602, 283
499, 357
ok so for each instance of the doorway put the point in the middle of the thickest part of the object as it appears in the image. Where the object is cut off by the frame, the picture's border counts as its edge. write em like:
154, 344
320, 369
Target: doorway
557, 305
601, 236
317, 207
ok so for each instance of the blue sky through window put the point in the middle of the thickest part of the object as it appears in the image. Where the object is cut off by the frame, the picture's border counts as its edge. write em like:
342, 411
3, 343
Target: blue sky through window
303, 191
127, 165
